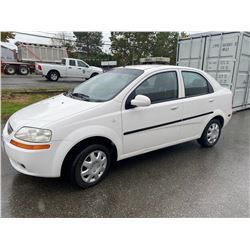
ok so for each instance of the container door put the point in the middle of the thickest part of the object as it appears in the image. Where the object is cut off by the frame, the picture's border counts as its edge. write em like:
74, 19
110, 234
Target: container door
242, 91
191, 52
220, 57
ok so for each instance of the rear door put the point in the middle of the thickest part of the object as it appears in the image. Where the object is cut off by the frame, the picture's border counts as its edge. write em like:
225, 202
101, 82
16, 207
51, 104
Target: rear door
72, 69
199, 102
158, 124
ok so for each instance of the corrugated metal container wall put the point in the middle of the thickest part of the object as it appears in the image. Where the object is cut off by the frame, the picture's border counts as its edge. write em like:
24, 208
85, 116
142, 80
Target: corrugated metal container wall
40, 53
225, 56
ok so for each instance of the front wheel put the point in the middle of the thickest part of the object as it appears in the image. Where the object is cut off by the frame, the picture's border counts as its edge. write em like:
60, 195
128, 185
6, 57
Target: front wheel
94, 74
90, 165
211, 134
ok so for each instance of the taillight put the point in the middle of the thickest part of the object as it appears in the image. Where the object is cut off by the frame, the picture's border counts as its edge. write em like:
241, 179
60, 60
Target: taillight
39, 67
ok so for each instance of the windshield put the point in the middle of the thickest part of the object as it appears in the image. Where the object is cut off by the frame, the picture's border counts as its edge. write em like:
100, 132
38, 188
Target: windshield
105, 86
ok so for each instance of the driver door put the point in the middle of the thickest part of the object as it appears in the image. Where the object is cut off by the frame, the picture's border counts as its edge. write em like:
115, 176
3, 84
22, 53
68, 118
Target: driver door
156, 125
83, 70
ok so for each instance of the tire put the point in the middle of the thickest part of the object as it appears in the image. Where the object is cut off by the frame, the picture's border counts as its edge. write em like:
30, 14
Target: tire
23, 70
10, 69
94, 74
87, 162
211, 134
53, 76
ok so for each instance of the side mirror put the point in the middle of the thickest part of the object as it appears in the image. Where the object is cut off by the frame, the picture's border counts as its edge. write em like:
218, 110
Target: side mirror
141, 101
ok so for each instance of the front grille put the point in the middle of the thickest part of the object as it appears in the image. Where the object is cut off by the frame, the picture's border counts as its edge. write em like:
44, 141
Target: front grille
9, 129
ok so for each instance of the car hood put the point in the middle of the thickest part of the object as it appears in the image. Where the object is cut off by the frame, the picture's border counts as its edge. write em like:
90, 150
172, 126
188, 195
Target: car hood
96, 69
49, 110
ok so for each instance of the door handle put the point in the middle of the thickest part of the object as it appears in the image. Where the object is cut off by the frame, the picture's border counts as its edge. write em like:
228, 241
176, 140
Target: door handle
211, 100
79, 68
70, 67
174, 107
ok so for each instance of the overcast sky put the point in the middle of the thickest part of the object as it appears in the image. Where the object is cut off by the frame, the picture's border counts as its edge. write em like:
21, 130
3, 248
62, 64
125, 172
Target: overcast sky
37, 37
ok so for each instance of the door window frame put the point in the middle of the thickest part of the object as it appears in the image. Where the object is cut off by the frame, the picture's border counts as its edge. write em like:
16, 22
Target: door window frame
128, 98
209, 85
85, 65
72, 60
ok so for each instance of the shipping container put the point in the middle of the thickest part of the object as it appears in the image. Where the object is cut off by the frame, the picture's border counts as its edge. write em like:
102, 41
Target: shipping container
225, 56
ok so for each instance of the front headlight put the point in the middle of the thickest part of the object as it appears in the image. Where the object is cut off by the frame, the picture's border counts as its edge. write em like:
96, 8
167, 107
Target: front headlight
33, 134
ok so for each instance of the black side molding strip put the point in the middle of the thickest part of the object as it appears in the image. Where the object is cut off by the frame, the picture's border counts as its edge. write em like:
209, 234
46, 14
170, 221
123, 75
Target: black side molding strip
165, 124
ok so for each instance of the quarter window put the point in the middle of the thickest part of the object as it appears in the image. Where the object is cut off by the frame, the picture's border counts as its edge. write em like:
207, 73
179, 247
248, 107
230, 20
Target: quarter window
160, 87
195, 84
72, 62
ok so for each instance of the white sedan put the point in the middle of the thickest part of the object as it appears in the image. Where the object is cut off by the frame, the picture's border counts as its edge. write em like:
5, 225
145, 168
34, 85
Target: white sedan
122, 113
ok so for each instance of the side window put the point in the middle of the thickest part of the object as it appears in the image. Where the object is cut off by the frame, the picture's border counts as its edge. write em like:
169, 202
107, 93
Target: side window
195, 84
160, 87
72, 62
63, 61
81, 64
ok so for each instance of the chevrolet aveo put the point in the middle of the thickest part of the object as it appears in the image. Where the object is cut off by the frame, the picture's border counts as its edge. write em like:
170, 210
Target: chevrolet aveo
122, 113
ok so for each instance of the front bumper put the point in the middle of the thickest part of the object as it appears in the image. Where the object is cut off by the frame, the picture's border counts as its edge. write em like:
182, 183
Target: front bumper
31, 162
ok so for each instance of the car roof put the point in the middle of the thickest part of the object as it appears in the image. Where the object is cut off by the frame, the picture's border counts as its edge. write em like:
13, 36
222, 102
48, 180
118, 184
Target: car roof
152, 67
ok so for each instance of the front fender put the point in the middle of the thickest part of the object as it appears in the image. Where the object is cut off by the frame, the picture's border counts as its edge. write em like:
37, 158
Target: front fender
79, 135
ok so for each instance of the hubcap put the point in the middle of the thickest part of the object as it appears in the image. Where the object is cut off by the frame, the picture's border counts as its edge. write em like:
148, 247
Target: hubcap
53, 76
11, 71
213, 133
93, 166
23, 70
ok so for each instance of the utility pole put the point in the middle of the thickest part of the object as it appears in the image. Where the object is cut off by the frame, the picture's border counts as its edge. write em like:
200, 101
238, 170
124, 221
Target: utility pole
131, 41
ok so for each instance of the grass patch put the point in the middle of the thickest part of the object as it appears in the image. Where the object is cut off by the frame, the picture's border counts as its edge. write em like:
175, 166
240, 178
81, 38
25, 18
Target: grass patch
11, 102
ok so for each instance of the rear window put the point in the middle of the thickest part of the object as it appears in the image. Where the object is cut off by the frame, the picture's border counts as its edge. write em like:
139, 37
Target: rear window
72, 62
195, 84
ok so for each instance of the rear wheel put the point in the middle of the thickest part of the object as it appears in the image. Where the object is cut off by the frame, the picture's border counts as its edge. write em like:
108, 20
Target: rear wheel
90, 165
53, 75
211, 134
23, 70
10, 69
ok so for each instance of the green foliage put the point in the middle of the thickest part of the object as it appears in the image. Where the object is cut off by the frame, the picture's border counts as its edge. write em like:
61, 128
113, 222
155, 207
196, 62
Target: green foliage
96, 61
129, 47
5, 36
89, 44
165, 44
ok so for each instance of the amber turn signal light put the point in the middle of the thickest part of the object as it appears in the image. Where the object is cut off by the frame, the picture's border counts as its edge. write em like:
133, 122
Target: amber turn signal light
30, 147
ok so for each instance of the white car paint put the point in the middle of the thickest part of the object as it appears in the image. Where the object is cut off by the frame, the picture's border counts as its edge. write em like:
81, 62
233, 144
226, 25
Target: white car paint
133, 131
66, 70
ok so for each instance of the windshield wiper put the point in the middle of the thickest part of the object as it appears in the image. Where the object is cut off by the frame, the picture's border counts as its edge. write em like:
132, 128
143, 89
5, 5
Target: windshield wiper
79, 95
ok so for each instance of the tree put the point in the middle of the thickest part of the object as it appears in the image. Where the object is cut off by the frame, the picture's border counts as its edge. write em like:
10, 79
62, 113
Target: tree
62, 39
165, 44
5, 36
89, 44
129, 47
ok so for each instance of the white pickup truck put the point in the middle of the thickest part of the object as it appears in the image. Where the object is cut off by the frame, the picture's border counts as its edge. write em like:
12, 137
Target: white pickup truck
69, 67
